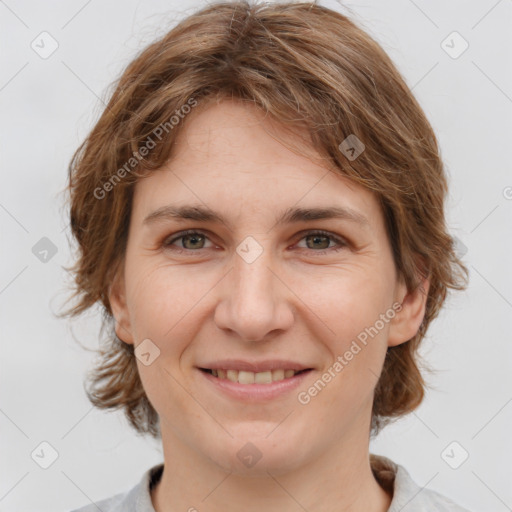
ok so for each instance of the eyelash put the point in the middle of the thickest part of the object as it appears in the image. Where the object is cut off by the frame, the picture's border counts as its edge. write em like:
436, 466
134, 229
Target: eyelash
167, 243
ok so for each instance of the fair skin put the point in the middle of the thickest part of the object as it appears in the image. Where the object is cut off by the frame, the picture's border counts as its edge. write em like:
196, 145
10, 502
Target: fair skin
301, 300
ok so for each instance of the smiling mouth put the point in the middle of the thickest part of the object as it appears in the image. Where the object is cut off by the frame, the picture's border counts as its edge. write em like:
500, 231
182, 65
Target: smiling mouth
244, 377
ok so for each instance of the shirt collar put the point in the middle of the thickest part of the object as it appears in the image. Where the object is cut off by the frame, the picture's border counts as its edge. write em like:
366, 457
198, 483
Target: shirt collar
392, 477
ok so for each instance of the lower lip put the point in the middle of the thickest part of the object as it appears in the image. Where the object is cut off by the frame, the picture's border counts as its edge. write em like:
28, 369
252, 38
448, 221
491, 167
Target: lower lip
256, 392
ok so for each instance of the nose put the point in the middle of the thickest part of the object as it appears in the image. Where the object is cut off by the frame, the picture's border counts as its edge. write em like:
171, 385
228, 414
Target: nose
255, 303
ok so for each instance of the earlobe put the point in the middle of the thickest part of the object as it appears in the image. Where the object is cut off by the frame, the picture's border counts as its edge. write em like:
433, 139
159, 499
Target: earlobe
117, 299
408, 319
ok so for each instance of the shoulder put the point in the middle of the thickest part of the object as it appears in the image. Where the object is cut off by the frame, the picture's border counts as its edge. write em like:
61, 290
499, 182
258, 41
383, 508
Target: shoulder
112, 504
408, 496
137, 499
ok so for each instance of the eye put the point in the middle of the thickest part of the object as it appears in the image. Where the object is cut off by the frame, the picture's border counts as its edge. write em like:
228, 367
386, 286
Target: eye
190, 240
321, 240
317, 241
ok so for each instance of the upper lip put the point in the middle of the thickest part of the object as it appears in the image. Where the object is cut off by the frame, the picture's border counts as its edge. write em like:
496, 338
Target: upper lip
254, 366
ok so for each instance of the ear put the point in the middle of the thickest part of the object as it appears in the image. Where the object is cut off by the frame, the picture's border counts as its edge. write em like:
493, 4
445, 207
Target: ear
117, 299
407, 320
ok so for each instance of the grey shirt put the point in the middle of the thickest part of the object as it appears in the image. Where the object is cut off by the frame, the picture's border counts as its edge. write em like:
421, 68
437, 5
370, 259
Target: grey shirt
394, 478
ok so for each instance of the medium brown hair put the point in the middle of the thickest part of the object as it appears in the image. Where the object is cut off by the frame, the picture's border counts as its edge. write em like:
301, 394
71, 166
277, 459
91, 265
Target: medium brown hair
301, 63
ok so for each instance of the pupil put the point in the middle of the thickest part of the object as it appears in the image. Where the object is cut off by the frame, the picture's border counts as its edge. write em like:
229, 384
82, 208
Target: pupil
319, 237
194, 239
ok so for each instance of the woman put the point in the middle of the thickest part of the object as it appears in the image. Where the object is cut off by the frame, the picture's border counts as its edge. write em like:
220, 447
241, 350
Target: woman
260, 213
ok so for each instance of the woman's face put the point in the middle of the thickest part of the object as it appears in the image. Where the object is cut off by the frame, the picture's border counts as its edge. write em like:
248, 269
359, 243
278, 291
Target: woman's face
265, 286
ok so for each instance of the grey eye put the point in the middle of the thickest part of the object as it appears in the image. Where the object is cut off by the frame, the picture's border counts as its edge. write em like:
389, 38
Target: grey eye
196, 241
318, 241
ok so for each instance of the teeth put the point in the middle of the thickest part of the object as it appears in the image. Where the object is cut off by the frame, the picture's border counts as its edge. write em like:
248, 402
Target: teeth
278, 374
261, 378
243, 377
232, 375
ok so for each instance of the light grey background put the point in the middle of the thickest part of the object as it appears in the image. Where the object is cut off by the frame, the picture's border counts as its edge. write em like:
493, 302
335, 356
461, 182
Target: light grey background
49, 105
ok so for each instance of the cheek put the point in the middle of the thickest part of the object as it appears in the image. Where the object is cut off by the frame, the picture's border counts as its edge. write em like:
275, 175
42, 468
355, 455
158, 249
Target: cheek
346, 300
162, 309
350, 304
158, 298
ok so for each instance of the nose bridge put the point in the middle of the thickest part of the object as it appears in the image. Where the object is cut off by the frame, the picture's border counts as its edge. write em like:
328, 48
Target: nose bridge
252, 281
253, 304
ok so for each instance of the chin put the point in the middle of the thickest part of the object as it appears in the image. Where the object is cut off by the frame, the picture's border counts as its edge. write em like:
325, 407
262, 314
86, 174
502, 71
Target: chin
258, 455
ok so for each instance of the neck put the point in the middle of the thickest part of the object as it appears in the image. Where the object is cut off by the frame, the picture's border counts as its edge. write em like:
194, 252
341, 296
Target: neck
340, 480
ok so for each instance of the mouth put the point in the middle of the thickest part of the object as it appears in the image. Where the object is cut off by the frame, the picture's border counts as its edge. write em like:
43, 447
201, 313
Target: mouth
254, 387
248, 378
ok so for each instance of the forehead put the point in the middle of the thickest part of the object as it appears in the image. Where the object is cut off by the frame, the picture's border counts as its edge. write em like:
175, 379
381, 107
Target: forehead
239, 132
231, 156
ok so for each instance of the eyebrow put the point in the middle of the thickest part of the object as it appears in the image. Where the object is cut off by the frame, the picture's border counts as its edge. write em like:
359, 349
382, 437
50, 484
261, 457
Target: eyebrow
291, 215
